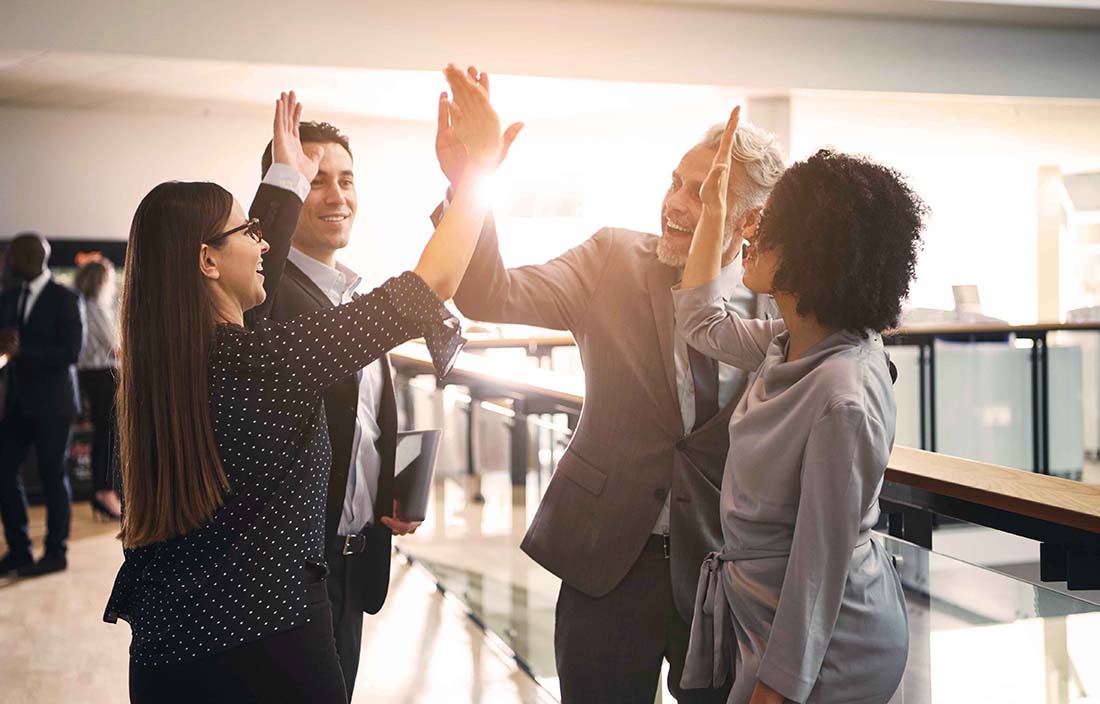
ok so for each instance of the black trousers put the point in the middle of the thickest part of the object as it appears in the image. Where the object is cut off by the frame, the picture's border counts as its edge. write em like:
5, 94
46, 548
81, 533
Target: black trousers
609, 649
292, 667
50, 438
99, 387
347, 618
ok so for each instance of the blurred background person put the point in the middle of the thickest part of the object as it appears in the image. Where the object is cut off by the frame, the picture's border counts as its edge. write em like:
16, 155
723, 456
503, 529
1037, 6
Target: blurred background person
42, 324
97, 370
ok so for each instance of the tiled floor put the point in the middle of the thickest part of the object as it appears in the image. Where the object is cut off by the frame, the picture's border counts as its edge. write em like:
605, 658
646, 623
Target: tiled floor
55, 648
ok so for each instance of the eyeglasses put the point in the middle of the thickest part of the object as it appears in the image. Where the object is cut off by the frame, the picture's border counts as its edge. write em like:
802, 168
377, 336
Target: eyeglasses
251, 228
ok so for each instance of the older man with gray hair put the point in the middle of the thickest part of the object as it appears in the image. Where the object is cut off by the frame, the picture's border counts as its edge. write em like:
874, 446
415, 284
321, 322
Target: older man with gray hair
632, 508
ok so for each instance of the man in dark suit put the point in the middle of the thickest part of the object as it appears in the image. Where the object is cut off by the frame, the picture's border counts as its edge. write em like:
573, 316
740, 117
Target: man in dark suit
361, 514
42, 324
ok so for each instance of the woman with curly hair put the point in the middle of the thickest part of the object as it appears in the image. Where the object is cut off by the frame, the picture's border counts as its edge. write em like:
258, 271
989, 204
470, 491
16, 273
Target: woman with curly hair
802, 604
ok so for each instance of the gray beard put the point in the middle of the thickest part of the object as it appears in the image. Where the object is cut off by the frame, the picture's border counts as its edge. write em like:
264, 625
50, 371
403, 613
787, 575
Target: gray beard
667, 256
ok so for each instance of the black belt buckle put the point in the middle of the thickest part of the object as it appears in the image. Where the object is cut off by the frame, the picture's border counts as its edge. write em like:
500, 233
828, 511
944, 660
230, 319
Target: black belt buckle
666, 545
354, 544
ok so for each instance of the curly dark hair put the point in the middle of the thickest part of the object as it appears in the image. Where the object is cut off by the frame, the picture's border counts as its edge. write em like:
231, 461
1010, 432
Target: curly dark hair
310, 133
848, 231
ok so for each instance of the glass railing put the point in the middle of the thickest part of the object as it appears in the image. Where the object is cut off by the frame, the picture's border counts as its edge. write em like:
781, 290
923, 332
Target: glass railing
976, 635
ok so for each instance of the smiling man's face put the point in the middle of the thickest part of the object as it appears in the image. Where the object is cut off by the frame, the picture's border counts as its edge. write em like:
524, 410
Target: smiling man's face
324, 224
681, 207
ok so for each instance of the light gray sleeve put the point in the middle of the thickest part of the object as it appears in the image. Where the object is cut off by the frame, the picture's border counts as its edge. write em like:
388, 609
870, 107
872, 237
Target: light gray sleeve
842, 467
708, 325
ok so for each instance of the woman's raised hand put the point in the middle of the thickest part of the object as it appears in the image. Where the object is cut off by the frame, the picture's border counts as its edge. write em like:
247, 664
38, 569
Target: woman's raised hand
704, 262
473, 119
286, 143
716, 185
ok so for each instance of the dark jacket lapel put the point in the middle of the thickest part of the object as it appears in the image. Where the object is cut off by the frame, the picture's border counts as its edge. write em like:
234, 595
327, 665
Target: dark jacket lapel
297, 276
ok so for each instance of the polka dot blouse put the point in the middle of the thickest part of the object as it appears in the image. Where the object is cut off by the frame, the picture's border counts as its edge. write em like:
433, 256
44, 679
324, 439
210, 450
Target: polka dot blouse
240, 577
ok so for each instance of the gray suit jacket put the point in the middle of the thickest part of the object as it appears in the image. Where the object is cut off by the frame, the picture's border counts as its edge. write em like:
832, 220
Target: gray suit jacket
629, 449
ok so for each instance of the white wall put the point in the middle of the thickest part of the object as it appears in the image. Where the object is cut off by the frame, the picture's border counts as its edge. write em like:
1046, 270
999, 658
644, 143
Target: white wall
80, 174
975, 162
74, 174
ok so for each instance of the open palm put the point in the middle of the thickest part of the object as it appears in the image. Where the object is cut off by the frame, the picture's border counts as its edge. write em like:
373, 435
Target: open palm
449, 149
716, 185
286, 144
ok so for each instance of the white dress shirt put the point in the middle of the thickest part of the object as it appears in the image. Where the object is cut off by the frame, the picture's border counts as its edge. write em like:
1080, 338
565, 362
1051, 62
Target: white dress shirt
35, 287
366, 463
730, 379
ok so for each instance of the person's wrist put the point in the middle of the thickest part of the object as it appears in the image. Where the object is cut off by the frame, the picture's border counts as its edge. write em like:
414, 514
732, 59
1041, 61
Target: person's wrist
483, 159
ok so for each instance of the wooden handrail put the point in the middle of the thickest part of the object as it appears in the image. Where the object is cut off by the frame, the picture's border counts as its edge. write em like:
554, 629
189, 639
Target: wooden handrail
1051, 499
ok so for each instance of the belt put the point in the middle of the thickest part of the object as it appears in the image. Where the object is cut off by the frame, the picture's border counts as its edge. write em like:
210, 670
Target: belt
710, 657
658, 544
709, 661
353, 544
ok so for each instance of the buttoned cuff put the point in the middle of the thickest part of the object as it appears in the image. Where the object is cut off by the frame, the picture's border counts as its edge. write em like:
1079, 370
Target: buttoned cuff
288, 179
417, 303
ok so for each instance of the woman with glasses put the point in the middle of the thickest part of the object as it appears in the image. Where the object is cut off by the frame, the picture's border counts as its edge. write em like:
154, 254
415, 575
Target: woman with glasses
803, 604
224, 449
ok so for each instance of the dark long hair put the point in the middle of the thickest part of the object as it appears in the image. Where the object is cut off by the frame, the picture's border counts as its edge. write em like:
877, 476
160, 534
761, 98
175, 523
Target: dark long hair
172, 476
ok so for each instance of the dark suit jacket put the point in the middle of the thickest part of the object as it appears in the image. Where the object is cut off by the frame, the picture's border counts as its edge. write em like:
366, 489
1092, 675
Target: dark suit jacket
41, 380
368, 573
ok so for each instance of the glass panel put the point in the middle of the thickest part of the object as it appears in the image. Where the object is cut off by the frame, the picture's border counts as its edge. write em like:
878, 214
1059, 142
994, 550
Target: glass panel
975, 634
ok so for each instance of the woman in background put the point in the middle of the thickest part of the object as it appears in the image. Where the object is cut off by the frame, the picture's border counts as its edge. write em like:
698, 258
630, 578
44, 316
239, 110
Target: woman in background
809, 601
97, 370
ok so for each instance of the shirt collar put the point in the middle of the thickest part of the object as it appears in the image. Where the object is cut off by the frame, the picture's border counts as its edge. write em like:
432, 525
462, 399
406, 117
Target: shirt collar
38, 283
340, 281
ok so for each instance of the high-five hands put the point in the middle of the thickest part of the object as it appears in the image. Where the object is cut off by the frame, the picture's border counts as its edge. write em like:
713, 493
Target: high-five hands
473, 121
449, 148
286, 143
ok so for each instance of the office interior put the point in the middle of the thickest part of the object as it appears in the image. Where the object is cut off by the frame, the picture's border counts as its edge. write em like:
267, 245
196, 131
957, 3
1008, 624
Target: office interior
990, 109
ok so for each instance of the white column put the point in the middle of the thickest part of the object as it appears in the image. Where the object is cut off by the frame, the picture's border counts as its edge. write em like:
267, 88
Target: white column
1050, 219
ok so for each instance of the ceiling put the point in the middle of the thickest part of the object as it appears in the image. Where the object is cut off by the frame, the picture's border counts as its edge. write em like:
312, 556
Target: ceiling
1067, 13
58, 80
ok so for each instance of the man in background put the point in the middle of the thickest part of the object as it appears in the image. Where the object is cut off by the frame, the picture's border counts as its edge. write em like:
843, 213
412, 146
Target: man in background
41, 332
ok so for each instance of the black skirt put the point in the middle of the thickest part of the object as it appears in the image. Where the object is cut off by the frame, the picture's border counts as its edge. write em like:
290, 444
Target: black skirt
297, 665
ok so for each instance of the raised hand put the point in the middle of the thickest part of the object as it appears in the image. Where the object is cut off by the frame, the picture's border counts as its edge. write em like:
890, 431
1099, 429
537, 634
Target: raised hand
716, 185
286, 144
705, 258
449, 149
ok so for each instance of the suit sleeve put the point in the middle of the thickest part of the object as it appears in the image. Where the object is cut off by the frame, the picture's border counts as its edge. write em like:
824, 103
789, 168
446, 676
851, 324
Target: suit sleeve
708, 325
553, 295
845, 457
64, 350
277, 204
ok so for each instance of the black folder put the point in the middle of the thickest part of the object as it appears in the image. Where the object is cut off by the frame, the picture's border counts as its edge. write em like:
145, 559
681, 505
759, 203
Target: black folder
414, 465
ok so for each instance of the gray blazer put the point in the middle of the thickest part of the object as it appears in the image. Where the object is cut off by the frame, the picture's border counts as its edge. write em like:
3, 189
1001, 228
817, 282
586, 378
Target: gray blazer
629, 449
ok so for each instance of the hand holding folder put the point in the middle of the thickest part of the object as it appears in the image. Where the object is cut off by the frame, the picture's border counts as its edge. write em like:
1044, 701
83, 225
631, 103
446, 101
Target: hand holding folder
414, 466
